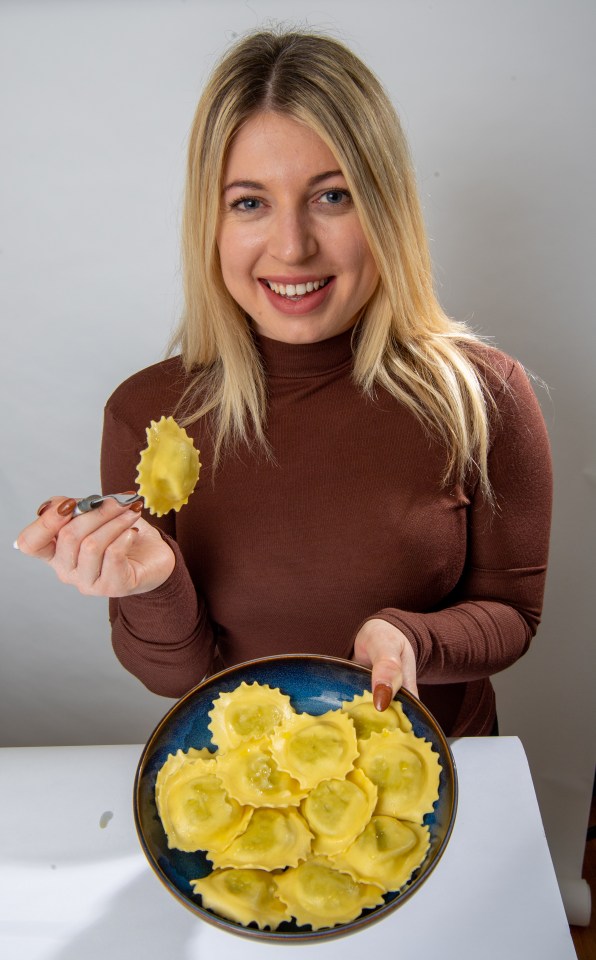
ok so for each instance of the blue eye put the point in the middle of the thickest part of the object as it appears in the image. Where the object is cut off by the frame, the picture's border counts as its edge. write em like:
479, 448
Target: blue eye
335, 197
246, 203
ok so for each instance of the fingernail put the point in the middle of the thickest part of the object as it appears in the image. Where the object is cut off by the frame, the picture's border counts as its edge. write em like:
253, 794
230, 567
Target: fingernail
16, 546
129, 492
137, 506
382, 696
66, 507
43, 507
136, 529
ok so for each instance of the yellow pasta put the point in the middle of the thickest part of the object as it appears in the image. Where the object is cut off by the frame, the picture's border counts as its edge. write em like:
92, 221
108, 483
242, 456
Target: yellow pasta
274, 839
321, 896
169, 467
246, 896
367, 719
249, 712
174, 762
386, 853
307, 817
338, 810
406, 771
312, 749
250, 775
195, 810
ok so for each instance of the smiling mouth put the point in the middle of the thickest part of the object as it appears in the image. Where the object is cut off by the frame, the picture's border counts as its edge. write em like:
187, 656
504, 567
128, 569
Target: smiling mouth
295, 291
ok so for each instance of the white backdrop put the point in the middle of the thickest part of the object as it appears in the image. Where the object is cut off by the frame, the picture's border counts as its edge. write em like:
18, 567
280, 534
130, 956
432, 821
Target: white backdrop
97, 100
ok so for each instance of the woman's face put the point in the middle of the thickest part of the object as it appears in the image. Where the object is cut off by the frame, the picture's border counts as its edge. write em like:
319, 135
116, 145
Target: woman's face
293, 254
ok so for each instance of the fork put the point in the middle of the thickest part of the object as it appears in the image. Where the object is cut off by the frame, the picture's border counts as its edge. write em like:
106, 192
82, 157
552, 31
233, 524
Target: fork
90, 503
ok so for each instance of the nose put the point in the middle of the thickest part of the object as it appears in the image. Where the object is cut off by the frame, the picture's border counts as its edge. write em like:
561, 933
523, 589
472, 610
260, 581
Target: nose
292, 238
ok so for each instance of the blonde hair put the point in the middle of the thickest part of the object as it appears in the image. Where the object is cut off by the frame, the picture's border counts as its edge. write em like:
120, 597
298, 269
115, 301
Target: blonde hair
405, 342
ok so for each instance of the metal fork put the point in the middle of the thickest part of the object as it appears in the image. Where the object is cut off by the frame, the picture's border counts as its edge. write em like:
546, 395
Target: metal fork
90, 503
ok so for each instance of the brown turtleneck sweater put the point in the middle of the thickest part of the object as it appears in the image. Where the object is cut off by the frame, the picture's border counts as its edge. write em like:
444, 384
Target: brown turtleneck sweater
346, 521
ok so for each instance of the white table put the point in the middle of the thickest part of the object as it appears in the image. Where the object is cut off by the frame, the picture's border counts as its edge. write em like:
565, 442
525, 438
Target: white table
75, 885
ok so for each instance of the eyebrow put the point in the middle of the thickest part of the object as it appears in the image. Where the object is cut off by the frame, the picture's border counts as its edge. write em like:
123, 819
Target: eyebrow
255, 185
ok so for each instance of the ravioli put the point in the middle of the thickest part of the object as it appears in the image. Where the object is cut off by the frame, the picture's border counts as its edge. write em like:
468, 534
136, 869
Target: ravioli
177, 760
312, 749
246, 896
310, 817
249, 712
273, 839
195, 810
367, 719
251, 775
338, 810
406, 771
386, 853
169, 467
318, 894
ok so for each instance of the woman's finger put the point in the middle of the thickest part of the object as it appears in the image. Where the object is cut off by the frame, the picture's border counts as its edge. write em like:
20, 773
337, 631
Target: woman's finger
69, 541
90, 551
108, 551
112, 573
137, 561
388, 651
39, 538
389, 675
387, 678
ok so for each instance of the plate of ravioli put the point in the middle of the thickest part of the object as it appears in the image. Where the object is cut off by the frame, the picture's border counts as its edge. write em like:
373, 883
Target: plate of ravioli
274, 801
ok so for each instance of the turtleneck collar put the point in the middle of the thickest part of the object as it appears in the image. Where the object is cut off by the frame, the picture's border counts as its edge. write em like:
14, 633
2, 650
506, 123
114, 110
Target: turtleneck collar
305, 359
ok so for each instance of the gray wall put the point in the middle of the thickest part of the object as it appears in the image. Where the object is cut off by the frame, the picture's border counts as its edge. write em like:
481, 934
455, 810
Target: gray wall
96, 101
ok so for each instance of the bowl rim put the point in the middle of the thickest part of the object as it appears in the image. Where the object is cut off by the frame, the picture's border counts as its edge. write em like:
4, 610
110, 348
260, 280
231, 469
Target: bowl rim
302, 934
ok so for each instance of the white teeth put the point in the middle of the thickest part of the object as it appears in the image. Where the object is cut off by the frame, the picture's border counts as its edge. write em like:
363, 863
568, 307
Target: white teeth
296, 289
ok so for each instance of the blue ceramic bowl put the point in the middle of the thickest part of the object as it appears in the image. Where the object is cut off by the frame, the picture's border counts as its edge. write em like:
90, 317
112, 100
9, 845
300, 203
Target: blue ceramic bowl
314, 684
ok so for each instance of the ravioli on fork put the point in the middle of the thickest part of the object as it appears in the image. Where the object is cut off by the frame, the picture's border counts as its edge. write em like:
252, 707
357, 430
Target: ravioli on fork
169, 467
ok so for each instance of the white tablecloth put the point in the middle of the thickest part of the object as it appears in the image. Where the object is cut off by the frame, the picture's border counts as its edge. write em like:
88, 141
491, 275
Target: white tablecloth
75, 885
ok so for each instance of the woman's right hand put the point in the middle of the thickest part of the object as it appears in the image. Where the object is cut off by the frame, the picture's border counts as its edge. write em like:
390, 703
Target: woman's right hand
108, 552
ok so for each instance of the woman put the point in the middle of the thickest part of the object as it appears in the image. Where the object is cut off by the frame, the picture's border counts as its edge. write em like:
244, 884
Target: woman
375, 481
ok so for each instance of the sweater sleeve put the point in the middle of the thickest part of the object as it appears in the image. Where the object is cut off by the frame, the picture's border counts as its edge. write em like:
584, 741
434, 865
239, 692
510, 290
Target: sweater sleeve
489, 619
163, 637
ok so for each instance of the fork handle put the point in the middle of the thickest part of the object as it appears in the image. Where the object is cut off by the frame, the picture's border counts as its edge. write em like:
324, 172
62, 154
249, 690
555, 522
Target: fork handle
89, 503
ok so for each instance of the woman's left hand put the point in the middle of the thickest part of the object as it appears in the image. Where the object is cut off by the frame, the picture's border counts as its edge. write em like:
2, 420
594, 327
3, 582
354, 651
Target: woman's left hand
388, 651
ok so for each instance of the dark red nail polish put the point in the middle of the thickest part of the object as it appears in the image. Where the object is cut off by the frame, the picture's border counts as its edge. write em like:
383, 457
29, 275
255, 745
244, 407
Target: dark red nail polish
66, 507
382, 696
137, 506
43, 507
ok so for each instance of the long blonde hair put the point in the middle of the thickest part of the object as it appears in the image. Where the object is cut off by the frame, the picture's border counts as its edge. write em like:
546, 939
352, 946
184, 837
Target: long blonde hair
405, 342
